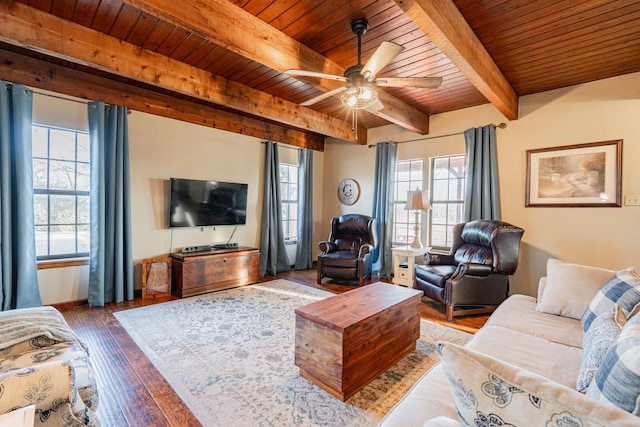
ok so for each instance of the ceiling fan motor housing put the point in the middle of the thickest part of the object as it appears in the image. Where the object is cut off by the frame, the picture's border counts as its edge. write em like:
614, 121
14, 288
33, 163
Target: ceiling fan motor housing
353, 75
359, 26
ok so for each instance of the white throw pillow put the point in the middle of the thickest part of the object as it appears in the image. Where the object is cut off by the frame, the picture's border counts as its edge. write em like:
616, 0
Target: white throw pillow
542, 283
487, 391
570, 288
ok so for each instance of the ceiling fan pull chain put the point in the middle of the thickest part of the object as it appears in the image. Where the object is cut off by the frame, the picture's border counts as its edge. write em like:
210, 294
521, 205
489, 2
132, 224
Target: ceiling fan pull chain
354, 122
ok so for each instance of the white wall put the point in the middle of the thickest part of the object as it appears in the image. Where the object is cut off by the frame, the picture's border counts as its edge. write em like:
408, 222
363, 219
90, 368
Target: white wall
597, 111
163, 148
159, 149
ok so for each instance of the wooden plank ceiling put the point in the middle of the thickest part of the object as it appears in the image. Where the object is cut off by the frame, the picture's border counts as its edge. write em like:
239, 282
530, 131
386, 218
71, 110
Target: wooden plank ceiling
220, 62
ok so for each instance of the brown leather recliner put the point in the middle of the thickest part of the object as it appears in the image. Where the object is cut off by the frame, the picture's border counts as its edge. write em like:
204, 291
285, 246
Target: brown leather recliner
475, 272
347, 255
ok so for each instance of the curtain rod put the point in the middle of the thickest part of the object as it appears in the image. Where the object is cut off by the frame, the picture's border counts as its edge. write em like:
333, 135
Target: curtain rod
501, 126
129, 111
59, 97
284, 146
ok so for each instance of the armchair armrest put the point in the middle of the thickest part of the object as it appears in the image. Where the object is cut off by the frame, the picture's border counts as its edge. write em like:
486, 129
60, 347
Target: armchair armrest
365, 250
327, 247
435, 258
471, 269
51, 388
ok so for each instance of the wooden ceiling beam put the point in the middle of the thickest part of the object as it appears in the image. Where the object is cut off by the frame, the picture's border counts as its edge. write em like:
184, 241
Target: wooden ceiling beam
445, 26
40, 74
32, 29
225, 24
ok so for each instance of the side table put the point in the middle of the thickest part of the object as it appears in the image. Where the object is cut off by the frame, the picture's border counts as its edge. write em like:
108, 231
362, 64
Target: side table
404, 261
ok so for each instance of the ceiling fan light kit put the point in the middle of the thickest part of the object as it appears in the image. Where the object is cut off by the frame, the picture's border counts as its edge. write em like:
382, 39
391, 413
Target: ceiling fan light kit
359, 98
360, 93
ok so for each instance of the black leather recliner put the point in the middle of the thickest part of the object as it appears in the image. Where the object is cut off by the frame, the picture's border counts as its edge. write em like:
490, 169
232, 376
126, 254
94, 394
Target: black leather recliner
347, 255
475, 272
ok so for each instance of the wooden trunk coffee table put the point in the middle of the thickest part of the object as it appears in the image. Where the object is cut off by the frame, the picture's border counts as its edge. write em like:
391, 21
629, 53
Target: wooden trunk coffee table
345, 341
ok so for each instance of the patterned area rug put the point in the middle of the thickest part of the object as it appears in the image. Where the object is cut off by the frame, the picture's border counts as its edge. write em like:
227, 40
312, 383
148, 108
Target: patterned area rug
230, 357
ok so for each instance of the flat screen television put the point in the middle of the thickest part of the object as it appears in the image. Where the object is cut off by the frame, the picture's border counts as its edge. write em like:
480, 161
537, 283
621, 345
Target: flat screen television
199, 203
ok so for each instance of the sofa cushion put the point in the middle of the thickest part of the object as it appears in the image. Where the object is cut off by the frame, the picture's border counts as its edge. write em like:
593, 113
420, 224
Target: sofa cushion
427, 399
488, 391
518, 313
617, 381
570, 288
442, 422
599, 338
535, 354
622, 289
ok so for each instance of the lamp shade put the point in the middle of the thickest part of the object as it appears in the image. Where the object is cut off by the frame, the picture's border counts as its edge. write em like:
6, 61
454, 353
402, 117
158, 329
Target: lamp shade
417, 200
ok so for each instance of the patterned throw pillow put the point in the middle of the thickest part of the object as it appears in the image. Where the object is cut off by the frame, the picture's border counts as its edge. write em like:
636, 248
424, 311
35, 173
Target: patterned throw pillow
601, 335
622, 289
617, 381
489, 392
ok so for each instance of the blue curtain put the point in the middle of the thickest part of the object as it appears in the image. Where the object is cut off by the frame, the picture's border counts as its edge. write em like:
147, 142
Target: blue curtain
304, 250
482, 198
385, 170
19, 270
110, 262
273, 256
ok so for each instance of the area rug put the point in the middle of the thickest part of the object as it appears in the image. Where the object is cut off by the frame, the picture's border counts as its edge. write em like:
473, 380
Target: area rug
230, 356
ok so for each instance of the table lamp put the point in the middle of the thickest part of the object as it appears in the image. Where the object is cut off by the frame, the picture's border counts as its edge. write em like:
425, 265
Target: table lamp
417, 201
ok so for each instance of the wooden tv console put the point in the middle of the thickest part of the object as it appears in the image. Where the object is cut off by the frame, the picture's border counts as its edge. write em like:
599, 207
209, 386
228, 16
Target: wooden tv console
200, 272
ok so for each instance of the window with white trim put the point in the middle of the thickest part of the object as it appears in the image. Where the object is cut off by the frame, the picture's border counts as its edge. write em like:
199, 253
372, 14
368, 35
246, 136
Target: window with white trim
409, 176
289, 202
61, 175
448, 180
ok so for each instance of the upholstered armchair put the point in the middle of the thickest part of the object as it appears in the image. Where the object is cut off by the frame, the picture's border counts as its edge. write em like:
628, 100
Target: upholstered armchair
43, 363
347, 254
474, 276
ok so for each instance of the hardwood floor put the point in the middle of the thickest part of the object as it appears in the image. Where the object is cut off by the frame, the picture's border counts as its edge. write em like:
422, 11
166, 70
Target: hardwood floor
133, 393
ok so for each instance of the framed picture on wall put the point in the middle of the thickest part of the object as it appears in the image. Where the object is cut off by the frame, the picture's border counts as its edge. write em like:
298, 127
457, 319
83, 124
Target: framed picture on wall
582, 175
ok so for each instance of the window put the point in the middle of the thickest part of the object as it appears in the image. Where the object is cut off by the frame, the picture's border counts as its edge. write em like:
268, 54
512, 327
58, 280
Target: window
61, 174
408, 177
448, 178
289, 196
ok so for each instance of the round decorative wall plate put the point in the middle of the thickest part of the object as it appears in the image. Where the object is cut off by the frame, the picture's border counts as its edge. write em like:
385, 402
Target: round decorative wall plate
348, 191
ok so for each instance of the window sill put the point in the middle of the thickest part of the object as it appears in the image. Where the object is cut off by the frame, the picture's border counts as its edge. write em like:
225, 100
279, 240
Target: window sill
61, 263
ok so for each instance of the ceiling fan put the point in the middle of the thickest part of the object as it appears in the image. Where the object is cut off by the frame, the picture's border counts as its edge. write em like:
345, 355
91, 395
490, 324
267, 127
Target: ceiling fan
360, 92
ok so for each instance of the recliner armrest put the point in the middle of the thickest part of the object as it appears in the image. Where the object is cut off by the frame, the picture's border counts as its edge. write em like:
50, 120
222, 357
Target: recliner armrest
471, 269
327, 247
364, 250
435, 258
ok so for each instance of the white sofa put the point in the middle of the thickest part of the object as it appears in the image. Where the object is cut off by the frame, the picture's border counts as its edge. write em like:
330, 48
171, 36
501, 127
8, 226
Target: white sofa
539, 352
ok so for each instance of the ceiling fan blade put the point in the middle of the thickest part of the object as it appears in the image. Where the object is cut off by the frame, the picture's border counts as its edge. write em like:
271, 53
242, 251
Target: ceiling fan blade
304, 73
323, 96
380, 58
426, 82
378, 106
